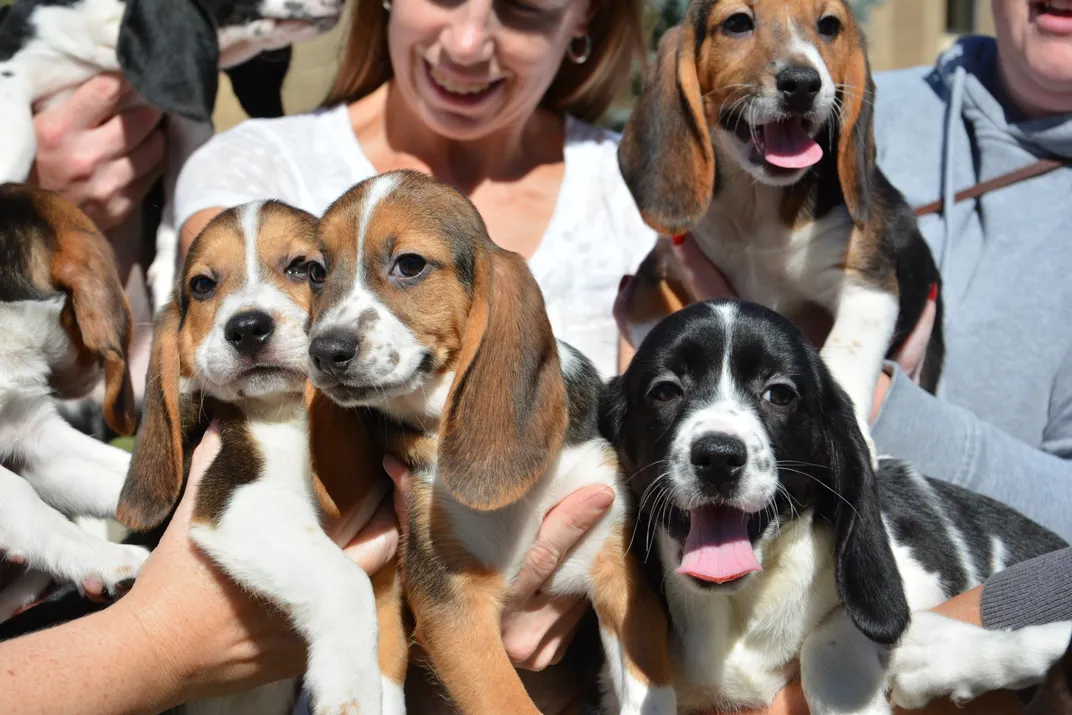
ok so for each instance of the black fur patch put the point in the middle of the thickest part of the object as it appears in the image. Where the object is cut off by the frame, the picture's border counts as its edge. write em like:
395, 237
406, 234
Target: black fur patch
583, 387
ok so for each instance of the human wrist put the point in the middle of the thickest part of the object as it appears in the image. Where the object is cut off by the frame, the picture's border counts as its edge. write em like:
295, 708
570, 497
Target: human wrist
882, 388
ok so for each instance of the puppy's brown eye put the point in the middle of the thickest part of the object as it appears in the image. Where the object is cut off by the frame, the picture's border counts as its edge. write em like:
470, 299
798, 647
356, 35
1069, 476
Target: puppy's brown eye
829, 27
202, 287
665, 391
298, 270
740, 23
409, 265
317, 273
780, 395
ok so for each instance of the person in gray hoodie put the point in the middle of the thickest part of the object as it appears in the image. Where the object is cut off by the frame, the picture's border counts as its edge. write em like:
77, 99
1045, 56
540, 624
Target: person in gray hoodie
1001, 422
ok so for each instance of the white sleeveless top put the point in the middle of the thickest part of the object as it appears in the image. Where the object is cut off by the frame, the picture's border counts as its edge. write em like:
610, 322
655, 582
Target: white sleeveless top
595, 235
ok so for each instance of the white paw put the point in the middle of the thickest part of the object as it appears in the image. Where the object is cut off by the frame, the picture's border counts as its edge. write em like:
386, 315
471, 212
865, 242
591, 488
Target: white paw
342, 682
114, 569
940, 657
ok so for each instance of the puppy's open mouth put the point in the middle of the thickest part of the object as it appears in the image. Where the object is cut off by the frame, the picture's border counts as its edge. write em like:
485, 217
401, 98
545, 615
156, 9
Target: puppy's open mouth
786, 143
376, 393
717, 546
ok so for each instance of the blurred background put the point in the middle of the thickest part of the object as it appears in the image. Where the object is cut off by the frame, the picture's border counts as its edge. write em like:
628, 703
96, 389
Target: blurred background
900, 33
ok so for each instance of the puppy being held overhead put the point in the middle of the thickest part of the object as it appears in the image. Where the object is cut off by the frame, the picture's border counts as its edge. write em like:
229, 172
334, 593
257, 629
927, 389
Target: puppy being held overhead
64, 322
444, 335
231, 347
775, 542
754, 131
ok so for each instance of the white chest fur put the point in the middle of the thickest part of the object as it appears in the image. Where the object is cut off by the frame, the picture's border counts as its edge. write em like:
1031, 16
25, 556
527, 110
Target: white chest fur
737, 649
767, 261
34, 345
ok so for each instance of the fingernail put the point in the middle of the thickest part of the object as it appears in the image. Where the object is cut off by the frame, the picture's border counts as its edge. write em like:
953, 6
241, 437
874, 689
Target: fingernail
603, 499
623, 283
934, 292
678, 239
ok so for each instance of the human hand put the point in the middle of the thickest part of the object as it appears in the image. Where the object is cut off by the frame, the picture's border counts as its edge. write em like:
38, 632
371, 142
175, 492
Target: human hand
100, 154
537, 628
212, 637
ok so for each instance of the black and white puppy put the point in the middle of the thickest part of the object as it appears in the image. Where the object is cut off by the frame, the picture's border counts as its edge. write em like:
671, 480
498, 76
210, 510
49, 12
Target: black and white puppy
171, 52
777, 543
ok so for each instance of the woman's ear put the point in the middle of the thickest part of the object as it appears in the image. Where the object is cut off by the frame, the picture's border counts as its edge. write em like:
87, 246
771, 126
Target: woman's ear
96, 316
866, 572
665, 154
505, 417
856, 140
157, 466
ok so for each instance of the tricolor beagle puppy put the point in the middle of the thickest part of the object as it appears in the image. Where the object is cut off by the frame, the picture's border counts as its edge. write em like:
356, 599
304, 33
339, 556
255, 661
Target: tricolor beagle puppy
781, 552
171, 52
444, 334
231, 346
754, 132
63, 322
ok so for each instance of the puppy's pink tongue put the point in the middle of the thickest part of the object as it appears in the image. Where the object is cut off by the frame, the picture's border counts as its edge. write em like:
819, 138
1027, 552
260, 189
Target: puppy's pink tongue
787, 145
717, 548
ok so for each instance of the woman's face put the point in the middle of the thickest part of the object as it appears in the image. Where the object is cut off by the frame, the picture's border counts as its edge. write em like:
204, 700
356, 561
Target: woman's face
1035, 46
472, 67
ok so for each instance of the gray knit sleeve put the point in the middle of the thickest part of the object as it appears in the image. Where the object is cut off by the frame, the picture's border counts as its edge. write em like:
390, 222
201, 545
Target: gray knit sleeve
1030, 593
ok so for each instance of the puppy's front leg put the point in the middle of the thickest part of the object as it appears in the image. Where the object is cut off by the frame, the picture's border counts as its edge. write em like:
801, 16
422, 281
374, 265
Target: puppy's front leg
842, 671
42, 537
634, 631
864, 321
73, 472
268, 537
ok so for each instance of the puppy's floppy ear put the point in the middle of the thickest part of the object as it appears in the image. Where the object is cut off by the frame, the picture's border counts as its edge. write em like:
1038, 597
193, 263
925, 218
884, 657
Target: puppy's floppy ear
169, 50
856, 139
665, 153
96, 316
505, 417
157, 467
866, 573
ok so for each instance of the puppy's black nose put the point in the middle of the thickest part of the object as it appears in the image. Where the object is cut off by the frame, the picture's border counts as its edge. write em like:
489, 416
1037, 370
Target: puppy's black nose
798, 87
248, 332
332, 353
717, 459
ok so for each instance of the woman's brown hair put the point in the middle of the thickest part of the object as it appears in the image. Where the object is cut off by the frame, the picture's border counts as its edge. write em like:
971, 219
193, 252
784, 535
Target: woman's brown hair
616, 29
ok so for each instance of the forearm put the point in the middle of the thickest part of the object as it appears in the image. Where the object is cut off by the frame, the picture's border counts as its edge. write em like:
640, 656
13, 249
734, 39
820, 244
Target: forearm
1030, 593
952, 444
102, 664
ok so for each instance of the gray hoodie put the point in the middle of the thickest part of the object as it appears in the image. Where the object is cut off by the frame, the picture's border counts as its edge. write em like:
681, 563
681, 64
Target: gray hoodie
1001, 423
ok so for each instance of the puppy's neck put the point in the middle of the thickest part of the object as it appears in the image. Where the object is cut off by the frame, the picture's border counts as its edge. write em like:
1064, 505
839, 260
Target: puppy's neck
36, 347
422, 409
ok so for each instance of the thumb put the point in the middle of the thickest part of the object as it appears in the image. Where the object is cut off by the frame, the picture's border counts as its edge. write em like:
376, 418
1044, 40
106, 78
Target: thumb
399, 474
96, 100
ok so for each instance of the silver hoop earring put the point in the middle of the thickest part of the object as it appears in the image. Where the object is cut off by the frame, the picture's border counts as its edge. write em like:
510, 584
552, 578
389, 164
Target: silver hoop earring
386, 5
579, 57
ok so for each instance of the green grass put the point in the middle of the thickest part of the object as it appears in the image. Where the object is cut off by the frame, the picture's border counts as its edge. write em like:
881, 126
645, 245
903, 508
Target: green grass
125, 443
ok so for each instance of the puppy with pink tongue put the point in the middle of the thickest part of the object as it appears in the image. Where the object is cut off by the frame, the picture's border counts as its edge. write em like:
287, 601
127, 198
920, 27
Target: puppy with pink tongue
717, 548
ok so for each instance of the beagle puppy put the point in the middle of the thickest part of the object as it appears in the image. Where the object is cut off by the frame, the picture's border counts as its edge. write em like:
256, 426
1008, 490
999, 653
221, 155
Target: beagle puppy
444, 335
231, 347
782, 553
65, 322
754, 131
50, 47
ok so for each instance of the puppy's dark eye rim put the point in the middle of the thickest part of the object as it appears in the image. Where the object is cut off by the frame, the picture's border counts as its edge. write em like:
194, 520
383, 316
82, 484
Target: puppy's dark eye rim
665, 390
318, 273
409, 265
829, 26
739, 23
779, 393
202, 286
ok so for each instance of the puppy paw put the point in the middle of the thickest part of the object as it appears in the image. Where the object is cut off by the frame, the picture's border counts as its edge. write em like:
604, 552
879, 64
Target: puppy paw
339, 685
115, 573
941, 657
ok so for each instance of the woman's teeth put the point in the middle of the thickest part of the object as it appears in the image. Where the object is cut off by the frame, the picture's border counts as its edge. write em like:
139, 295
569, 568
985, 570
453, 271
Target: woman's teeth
456, 87
1055, 7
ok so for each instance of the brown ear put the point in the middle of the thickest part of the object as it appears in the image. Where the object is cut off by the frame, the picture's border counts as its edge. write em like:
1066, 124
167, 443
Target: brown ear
97, 314
665, 154
505, 416
154, 481
856, 140
343, 447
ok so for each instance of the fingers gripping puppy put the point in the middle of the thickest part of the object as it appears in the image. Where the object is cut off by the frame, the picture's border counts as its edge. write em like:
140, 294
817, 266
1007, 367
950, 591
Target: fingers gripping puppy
230, 347
754, 131
64, 322
426, 320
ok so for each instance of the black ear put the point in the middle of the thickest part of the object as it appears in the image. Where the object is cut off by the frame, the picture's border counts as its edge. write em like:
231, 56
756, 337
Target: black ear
868, 581
169, 51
